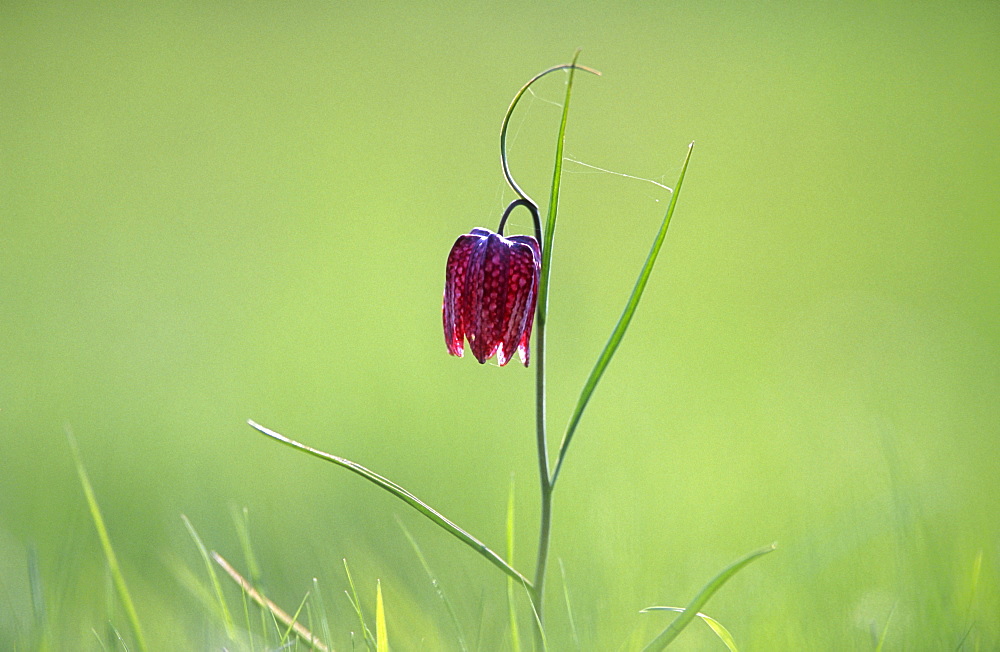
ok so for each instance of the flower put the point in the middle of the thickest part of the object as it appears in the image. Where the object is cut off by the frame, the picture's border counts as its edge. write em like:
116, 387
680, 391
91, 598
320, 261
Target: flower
490, 292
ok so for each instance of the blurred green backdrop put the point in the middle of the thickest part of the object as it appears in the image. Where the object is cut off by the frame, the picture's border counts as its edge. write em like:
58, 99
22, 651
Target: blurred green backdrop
218, 211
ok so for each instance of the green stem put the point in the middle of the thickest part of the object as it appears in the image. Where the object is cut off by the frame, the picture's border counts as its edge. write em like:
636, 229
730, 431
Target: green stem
545, 527
544, 472
537, 588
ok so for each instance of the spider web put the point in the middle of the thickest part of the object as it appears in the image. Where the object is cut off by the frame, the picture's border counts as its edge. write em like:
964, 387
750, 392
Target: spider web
576, 167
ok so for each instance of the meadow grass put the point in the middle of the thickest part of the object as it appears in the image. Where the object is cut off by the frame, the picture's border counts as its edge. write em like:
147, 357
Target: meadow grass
281, 628
957, 607
947, 599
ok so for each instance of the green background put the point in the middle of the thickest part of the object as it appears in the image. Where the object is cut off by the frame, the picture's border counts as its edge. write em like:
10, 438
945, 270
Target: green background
211, 212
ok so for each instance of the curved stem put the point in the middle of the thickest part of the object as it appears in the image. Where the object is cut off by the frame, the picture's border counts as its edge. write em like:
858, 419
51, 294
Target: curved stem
534, 216
503, 136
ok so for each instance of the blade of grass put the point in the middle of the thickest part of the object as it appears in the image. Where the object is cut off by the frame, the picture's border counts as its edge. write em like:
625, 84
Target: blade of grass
41, 618
100, 641
569, 607
324, 621
294, 620
37, 590
118, 640
623, 322
437, 586
246, 618
541, 639
689, 613
195, 583
714, 624
366, 633
885, 631
381, 632
403, 495
484, 614
227, 618
109, 553
515, 637
242, 522
277, 612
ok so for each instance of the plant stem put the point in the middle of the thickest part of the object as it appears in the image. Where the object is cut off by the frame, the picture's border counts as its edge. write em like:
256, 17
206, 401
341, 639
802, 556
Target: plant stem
537, 589
543, 475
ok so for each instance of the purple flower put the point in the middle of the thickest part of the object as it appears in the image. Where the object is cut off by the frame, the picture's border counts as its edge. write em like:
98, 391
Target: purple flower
490, 292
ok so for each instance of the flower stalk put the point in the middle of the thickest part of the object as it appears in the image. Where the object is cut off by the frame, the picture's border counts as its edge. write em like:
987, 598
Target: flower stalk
495, 287
544, 473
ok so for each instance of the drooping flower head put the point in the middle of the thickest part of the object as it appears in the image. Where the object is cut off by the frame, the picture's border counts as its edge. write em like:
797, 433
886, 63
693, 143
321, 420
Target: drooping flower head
490, 294
491, 282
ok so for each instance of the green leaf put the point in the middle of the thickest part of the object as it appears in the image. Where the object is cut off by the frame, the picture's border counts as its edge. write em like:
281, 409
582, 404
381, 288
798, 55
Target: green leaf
437, 586
689, 613
515, 637
321, 607
227, 619
241, 520
550, 220
885, 631
366, 633
293, 621
714, 624
623, 322
109, 552
381, 632
404, 495
550, 224
569, 607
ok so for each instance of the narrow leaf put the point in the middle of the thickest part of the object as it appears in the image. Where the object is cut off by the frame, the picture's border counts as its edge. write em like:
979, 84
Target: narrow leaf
689, 613
214, 578
623, 322
885, 631
569, 607
541, 638
515, 637
381, 633
109, 553
406, 497
294, 620
37, 590
550, 220
277, 612
324, 621
366, 633
241, 520
437, 586
714, 624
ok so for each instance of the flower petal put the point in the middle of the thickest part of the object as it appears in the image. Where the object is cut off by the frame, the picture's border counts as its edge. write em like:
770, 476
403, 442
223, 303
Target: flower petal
490, 263
490, 295
522, 279
454, 287
532, 300
472, 296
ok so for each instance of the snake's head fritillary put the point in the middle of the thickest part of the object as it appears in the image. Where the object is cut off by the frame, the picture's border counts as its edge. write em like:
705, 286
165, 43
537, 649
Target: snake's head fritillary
490, 293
